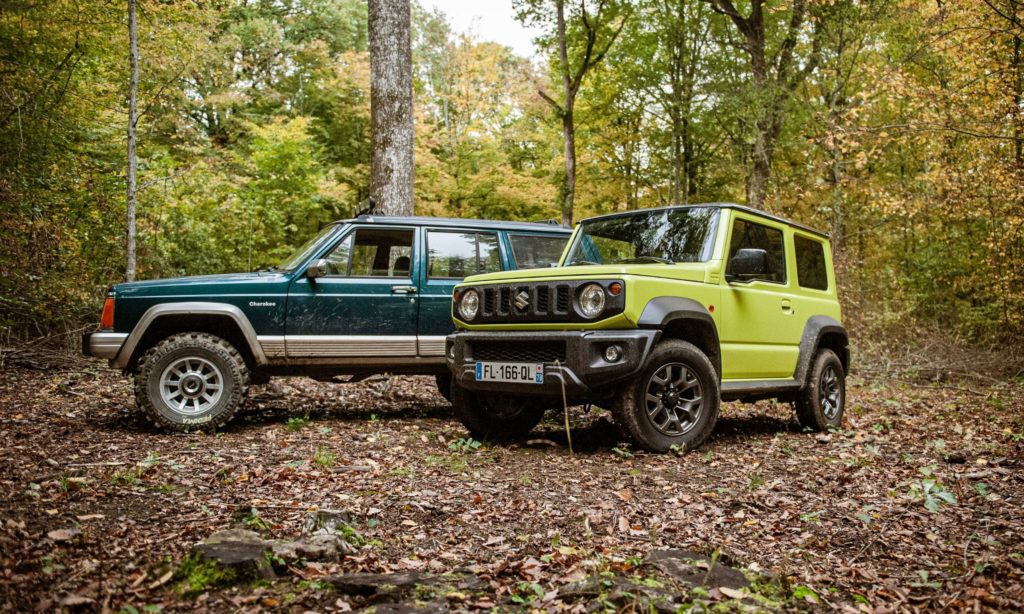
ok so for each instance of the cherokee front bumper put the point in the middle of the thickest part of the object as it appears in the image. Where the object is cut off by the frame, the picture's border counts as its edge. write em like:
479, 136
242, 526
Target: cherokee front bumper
103, 344
575, 358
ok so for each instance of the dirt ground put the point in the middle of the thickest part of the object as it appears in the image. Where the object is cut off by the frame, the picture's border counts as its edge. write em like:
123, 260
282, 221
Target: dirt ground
916, 505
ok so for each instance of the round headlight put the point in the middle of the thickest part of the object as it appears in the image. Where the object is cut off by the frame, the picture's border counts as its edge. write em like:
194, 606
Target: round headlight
469, 305
591, 301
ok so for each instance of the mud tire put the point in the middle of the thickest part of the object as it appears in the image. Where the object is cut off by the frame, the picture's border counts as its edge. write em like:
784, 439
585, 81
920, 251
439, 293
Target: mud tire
233, 371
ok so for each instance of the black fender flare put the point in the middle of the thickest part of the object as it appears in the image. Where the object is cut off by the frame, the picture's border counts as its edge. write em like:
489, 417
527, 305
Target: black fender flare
662, 311
814, 330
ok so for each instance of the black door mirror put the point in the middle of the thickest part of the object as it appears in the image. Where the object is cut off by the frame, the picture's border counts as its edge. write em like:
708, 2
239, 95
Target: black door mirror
318, 268
748, 264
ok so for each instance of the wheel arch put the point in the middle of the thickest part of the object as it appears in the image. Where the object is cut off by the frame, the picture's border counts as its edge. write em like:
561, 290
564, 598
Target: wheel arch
219, 319
686, 319
821, 332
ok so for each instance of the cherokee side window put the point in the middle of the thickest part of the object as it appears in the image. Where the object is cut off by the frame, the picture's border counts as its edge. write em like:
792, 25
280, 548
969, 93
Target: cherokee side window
454, 255
750, 235
810, 263
535, 252
373, 252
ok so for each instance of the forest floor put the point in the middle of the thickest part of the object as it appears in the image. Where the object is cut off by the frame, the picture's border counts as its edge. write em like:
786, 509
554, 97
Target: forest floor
916, 504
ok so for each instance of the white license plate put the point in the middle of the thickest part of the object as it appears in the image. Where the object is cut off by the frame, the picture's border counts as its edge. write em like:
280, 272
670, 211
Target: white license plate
514, 372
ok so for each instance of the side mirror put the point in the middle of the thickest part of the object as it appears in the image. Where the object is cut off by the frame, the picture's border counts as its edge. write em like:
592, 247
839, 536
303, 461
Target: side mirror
748, 264
318, 268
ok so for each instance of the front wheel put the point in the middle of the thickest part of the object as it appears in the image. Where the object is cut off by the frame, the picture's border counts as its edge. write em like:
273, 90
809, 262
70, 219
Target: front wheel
495, 416
191, 381
673, 403
444, 386
820, 405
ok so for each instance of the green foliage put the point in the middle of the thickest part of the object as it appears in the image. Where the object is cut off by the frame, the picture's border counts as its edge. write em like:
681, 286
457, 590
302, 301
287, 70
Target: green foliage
255, 131
464, 445
196, 574
323, 458
930, 492
254, 521
526, 593
297, 423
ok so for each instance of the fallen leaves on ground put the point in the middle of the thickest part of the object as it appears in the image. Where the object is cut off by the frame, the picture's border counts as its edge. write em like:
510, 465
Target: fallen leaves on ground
918, 506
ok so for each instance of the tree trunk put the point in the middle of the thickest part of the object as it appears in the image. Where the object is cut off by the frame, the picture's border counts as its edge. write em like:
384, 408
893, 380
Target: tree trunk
761, 168
569, 188
391, 167
568, 129
133, 163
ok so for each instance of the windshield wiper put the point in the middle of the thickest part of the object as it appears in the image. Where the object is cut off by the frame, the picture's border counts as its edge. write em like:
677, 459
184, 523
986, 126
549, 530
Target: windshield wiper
584, 262
639, 259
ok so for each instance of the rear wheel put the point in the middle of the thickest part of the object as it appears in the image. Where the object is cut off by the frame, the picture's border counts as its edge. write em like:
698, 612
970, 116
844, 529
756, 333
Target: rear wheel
673, 403
496, 416
191, 381
820, 405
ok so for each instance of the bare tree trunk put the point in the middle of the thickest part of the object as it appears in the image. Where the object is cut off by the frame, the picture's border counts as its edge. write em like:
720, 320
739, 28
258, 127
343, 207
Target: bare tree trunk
761, 169
568, 118
133, 162
572, 78
391, 167
569, 187
775, 80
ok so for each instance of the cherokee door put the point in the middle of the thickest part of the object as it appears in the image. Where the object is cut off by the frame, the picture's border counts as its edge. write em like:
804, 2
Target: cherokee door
365, 307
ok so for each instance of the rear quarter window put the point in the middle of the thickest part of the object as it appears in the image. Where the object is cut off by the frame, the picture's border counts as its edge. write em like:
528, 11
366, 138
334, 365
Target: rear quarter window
811, 271
457, 254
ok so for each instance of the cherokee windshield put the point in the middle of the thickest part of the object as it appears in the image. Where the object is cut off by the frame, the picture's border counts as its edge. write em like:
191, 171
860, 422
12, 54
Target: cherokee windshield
661, 235
303, 252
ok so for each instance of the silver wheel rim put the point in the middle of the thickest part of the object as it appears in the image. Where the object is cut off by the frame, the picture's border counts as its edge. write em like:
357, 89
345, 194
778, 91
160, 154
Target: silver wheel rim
830, 393
191, 385
674, 399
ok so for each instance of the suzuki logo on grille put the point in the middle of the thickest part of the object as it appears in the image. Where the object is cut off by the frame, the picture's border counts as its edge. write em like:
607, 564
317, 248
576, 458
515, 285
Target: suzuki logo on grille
522, 300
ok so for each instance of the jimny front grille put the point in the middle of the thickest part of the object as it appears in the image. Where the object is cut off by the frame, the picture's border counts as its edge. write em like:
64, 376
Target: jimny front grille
519, 351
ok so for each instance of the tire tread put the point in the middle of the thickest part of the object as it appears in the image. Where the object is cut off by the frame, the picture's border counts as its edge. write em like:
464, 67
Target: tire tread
213, 343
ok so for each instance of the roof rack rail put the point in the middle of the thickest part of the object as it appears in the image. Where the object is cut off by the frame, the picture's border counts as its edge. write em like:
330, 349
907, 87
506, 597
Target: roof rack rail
369, 207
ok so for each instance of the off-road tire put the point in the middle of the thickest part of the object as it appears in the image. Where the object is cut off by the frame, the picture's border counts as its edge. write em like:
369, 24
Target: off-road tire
444, 386
496, 417
630, 405
811, 410
165, 353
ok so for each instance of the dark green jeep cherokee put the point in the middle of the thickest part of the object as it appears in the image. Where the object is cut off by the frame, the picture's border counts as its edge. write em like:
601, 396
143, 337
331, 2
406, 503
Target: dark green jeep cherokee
365, 296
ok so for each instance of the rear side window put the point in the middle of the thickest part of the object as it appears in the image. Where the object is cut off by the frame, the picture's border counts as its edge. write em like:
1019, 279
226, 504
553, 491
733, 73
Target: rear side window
536, 252
454, 255
810, 263
749, 235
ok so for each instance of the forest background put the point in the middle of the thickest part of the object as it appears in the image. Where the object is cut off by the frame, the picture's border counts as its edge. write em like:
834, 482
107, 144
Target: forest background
894, 124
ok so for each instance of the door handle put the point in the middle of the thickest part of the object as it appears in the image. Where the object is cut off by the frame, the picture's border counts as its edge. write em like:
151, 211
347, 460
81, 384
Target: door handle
403, 289
787, 305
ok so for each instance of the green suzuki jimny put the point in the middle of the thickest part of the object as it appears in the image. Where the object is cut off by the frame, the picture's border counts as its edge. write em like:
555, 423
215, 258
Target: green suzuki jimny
659, 315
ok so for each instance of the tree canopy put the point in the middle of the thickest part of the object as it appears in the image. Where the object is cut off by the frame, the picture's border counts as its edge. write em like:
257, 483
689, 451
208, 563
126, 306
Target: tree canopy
895, 124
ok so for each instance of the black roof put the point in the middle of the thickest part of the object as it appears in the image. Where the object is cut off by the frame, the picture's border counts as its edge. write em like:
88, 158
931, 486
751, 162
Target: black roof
458, 222
742, 208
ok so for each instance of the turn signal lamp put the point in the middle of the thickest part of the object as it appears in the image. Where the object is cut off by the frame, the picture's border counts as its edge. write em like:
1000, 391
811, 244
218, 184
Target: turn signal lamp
107, 319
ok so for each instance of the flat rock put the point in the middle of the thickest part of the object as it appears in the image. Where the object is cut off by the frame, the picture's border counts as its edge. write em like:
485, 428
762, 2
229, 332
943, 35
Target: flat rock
245, 559
325, 521
694, 569
321, 547
395, 586
234, 546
